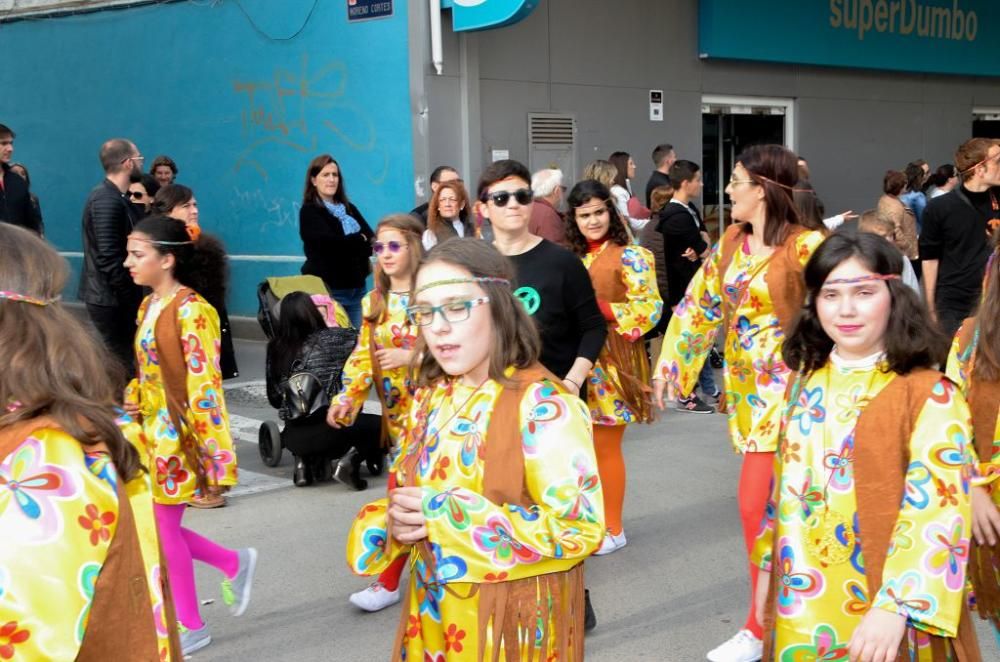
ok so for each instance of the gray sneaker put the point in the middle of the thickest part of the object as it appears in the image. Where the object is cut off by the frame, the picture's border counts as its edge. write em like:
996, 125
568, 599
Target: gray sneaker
194, 640
236, 591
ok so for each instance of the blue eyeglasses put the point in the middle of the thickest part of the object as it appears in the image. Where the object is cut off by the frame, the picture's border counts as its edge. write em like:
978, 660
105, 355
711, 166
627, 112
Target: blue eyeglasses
453, 311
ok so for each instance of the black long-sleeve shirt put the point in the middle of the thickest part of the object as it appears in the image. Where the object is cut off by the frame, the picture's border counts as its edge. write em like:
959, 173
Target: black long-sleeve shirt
340, 260
556, 290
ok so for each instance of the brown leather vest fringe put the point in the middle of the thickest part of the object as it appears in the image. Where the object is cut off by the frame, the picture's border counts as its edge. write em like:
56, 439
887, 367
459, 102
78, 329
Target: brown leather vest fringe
121, 625
785, 284
984, 402
514, 609
173, 372
881, 457
628, 358
384, 439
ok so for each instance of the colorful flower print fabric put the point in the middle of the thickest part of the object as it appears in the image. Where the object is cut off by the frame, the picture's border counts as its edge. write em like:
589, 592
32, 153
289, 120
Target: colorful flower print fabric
474, 540
206, 419
754, 376
634, 317
394, 333
822, 597
986, 470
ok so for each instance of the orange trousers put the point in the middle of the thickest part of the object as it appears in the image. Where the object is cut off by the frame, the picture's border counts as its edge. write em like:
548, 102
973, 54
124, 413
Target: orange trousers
611, 469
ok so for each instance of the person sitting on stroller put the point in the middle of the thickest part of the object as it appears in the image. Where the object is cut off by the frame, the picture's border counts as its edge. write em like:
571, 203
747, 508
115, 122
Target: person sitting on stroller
305, 359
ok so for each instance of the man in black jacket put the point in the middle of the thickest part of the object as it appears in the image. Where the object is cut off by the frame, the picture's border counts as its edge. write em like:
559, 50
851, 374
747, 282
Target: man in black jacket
106, 287
954, 240
15, 203
440, 175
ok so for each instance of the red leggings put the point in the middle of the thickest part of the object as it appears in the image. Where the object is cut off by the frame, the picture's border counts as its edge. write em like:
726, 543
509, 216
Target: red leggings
390, 576
752, 494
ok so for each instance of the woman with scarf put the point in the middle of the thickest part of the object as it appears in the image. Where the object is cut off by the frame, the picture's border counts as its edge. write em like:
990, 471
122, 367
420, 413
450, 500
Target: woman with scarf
336, 238
617, 389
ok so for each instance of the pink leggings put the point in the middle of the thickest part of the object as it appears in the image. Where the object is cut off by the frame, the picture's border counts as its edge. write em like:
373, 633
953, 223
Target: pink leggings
181, 547
752, 494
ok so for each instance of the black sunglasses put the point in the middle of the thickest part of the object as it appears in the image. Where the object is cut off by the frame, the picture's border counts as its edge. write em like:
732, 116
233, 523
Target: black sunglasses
501, 198
135, 195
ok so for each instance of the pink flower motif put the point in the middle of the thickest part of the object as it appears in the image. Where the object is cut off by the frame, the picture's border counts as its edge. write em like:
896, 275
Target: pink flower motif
28, 488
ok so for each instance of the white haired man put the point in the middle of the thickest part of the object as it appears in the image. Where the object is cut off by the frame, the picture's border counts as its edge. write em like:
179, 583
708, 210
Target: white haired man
546, 221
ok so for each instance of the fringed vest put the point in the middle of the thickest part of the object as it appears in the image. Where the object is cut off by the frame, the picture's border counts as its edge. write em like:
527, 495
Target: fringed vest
984, 402
628, 358
881, 457
515, 609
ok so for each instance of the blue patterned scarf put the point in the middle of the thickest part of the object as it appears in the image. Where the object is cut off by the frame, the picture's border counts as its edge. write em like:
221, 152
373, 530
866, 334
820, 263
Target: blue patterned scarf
350, 225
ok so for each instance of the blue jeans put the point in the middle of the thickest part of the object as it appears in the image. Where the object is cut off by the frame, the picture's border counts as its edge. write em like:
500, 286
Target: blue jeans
706, 379
350, 299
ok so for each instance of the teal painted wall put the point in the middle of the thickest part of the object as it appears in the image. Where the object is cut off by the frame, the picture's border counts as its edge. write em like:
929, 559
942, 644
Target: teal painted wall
241, 99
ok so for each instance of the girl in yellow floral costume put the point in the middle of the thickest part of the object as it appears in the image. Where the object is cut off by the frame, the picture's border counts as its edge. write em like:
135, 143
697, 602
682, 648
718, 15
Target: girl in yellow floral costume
381, 359
75, 503
617, 389
974, 364
749, 288
498, 500
866, 536
177, 397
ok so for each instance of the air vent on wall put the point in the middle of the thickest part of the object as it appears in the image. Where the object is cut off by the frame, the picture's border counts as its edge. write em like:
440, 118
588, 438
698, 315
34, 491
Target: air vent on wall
551, 130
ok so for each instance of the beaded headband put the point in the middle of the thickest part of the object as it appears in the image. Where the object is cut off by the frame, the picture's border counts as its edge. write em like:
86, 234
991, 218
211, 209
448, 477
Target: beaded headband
862, 279
754, 175
455, 281
24, 298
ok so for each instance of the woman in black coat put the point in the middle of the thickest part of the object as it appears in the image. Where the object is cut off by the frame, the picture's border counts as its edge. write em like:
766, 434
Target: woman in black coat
336, 239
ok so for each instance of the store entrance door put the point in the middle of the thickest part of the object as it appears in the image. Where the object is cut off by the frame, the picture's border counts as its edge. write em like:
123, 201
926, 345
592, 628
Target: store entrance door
986, 122
728, 126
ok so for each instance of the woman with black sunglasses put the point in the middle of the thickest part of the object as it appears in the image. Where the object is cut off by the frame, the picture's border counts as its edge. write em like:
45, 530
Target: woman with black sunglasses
382, 358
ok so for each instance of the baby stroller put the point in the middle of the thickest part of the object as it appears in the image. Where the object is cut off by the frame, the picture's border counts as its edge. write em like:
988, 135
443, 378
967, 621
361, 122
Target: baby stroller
302, 391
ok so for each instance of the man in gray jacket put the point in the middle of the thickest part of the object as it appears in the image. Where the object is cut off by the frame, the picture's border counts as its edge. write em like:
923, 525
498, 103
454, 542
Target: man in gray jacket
106, 287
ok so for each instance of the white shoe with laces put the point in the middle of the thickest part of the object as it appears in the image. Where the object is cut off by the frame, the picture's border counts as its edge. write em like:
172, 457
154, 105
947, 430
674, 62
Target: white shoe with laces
742, 647
375, 598
612, 543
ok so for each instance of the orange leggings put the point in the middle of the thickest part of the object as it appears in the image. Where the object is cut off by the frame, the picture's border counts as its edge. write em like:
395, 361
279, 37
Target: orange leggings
611, 469
390, 576
752, 494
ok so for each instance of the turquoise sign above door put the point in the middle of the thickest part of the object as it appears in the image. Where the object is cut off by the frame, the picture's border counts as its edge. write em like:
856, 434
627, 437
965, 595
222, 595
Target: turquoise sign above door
470, 15
926, 36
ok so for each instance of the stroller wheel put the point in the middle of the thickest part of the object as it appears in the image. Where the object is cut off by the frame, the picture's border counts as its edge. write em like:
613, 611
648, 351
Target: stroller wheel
269, 443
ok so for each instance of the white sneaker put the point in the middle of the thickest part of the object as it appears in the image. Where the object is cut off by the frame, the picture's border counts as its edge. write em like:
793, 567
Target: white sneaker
611, 543
742, 647
374, 598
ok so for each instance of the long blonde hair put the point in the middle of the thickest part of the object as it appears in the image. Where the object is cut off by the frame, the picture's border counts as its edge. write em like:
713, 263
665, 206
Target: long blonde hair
412, 230
52, 364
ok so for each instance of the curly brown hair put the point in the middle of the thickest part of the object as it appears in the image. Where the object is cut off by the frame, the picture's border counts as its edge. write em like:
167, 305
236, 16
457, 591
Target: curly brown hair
582, 193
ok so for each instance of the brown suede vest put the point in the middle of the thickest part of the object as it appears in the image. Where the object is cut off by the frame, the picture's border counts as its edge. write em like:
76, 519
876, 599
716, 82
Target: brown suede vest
513, 608
629, 358
881, 458
121, 625
984, 403
785, 284
173, 372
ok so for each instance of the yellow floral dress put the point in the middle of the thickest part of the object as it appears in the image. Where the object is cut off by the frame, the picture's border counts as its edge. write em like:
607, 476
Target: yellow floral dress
986, 470
754, 375
474, 540
634, 317
58, 517
174, 481
819, 604
394, 333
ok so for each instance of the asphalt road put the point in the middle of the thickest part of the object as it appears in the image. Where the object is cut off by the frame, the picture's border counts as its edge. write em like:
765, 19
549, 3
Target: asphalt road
673, 593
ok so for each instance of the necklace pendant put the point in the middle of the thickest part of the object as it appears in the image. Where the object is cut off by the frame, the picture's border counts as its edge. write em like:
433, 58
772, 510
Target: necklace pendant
829, 537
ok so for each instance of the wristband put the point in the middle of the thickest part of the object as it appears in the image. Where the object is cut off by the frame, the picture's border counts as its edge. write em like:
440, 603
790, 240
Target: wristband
567, 379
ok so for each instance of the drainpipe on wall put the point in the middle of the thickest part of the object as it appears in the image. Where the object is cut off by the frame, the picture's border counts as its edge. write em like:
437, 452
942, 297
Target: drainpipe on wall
437, 57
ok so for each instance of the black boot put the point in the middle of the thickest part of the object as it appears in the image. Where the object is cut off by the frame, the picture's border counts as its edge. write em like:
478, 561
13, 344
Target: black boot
301, 476
589, 617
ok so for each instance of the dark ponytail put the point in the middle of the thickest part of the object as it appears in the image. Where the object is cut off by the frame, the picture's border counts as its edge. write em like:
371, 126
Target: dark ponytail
201, 264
